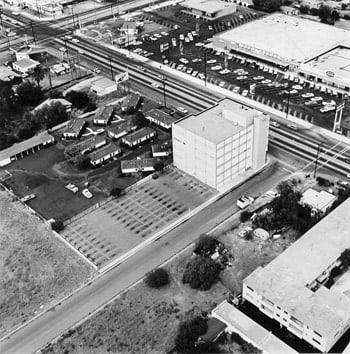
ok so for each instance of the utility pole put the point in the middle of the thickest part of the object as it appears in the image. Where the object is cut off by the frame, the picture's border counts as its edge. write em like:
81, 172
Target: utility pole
317, 157
31, 26
2, 25
288, 98
205, 69
110, 66
112, 11
164, 94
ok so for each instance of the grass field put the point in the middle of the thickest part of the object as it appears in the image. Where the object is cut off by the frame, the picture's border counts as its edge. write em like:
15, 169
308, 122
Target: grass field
142, 320
36, 268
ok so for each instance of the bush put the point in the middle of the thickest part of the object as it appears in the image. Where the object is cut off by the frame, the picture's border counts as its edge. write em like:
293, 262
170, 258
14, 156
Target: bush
245, 215
116, 192
29, 94
205, 246
25, 133
91, 106
157, 278
323, 182
201, 273
304, 9
57, 225
345, 258
78, 99
189, 333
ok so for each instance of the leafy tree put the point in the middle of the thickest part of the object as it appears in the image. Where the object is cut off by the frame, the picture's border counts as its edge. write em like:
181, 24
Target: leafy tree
38, 74
81, 161
304, 9
25, 133
52, 114
344, 6
8, 98
201, 273
342, 196
205, 245
116, 192
79, 99
140, 120
314, 11
245, 215
57, 225
29, 94
6, 140
327, 14
91, 106
267, 5
157, 278
159, 166
188, 334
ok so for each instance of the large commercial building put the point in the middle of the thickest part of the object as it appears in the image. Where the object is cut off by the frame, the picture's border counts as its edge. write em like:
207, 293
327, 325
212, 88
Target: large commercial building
295, 288
208, 9
220, 143
278, 39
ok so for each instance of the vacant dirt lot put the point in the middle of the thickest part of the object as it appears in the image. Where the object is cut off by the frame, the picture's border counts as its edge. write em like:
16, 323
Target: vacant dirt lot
36, 268
142, 320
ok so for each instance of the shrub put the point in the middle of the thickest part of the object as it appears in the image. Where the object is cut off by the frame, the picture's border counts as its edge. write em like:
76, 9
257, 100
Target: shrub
57, 225
116, 192
201, 273
245, 215
157, 278
205, 246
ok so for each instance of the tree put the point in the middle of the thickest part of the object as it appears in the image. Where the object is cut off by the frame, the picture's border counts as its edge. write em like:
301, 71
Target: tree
81, 161
29, 94
314, 11
140, 120
57, 225
267, 5
245, 215
344, 6
328, 15
201, 273
304, 9
157, 278
205, 245
188, 334
116, 192
25, 133
159, 166
52, 114
345, 258
38, 74
79, 99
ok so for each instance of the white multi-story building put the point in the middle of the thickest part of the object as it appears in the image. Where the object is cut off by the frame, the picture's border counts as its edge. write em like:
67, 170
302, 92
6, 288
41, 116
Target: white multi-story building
294, 289
208, 9
220, 143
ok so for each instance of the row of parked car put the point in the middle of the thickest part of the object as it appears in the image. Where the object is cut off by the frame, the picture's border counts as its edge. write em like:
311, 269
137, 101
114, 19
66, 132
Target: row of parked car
73, 188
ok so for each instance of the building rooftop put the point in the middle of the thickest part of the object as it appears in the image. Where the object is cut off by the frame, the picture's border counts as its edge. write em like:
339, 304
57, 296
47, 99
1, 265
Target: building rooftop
6, 73
25, 145
103, 83
104, 151
50, 101
26, 63
138, 134
74, 126
90, 142
284, 280
317, 200
139, 163
165, 147
334, 64
104, 113
208, 6
282, 37
160, 116
219, 122
122, 126
131, 100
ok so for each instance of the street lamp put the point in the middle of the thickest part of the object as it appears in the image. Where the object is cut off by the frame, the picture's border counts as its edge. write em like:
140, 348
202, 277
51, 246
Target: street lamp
164, 94
288, 99
110, 66
319, 149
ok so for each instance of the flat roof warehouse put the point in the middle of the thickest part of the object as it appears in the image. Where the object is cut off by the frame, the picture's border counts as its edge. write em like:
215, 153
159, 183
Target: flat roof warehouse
280, 37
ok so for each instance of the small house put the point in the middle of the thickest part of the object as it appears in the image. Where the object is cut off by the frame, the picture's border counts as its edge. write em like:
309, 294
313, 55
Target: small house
103, 116
138, 137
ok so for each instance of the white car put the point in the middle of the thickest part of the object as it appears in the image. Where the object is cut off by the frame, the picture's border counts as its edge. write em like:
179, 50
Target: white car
68, 38
62, 49
196, 60
327, 109
222, 84
15, 13
155, 85
164, 34
182, 110
316, 99
86, 193
181, 37
75, 40
245, 93
187, 40
195, 73
275, 124
189, 71
81, 52
97, 71
297, 87
199, 44
271, 194
258, 78
71, 187
201, 76
211, 61
157, 35
216, 67
183, 61
224, 71
236, 89
241, 77
267, 81
307, 95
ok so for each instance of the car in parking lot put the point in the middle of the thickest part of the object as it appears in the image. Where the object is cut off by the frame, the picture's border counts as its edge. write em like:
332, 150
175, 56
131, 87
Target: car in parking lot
180, 67
182, 110
201, 76
71, 187
245, 93
224, 71
293, 126
210, 28
307, 95
196, 60
75, 40
266, 81
216, 67
258, 78
199, 44
222, 84
86, 193
236, 89
164, 34
189, 71
297, 87
182, 37
155, 84
183, 61
62, 49
194, 73
241, 77
187, 40
316, 99
328, 108
275, 124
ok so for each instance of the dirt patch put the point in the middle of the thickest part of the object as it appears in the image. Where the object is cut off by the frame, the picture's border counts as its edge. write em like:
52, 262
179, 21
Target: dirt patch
142, 320
36, 268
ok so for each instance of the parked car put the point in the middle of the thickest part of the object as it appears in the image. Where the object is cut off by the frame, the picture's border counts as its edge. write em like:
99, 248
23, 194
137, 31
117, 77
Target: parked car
307, 95
272, 194
244, 201
245, 232
245, 93
75, 40
155, 85
292, 126
87, 194
182, 110
275, 124
222, 84
71, 187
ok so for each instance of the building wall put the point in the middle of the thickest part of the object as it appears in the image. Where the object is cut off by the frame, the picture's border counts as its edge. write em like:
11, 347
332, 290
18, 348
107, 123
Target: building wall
261, 138
292, 324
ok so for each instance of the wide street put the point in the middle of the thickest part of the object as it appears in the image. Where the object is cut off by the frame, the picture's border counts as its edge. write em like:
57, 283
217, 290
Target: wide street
54, 322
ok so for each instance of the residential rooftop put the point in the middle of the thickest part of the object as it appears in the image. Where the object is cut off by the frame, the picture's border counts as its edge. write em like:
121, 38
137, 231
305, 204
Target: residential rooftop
220, 121
74, 126
106, 150
138, 134
104, 113
207, 6
284, 281
160, 116
139, 163
283, 37
26, 62
25, 145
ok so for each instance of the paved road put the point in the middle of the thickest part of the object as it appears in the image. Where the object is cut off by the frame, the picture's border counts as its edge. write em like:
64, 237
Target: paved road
53, 323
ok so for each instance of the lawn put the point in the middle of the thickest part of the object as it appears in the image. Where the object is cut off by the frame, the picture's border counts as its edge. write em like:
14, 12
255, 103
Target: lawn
36, 268
142, 320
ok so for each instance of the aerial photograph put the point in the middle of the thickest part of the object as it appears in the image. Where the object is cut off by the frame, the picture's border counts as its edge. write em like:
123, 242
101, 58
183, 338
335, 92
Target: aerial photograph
174, 176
